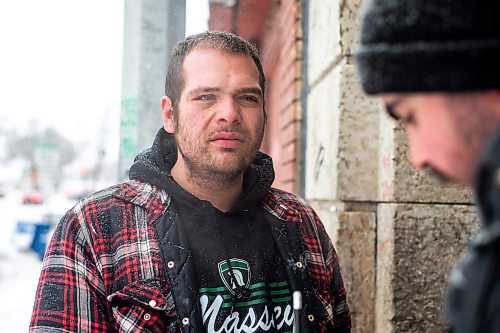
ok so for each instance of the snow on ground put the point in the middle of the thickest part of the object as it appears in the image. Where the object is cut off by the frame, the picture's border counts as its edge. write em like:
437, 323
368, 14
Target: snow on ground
19, 269
18, 279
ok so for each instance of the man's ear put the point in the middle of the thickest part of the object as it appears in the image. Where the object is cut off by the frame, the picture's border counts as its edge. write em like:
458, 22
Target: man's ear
167, 114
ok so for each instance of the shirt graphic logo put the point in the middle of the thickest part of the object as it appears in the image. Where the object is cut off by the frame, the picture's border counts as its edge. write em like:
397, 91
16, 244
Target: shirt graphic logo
240, 272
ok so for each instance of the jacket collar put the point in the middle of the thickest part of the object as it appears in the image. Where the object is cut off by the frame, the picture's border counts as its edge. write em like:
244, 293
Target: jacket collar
153, 200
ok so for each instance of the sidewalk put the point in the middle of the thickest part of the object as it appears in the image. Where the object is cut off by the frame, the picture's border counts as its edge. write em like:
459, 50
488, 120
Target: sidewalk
19, 274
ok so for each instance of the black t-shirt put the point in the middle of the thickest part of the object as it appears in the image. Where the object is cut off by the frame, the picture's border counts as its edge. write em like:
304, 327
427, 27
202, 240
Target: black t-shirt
241, 276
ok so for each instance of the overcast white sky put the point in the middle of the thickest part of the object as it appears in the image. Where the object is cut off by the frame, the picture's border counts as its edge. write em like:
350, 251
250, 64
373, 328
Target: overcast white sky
60, 63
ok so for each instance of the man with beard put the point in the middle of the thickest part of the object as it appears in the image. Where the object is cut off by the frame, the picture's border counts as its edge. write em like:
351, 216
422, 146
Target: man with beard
197, 240
435, 65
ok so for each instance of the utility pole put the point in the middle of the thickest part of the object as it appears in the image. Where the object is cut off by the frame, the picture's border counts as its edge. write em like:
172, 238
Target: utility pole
152, 28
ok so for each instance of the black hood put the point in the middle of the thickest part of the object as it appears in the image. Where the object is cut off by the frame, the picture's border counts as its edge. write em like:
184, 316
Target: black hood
154, 164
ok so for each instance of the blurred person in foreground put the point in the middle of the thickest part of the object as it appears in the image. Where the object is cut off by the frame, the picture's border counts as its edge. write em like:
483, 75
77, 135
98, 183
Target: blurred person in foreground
436, 67
197, 240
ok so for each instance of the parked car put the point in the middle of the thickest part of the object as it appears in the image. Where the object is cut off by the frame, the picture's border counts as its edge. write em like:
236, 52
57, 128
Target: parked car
32, 197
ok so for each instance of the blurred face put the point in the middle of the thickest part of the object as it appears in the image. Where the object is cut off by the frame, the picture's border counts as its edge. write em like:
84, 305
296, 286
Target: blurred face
446, 132
219, 123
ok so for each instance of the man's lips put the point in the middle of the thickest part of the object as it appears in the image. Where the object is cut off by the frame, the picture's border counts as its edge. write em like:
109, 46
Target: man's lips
227, 136
227, 139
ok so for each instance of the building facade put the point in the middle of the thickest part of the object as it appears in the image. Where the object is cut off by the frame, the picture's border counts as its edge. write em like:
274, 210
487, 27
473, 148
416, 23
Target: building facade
396, 232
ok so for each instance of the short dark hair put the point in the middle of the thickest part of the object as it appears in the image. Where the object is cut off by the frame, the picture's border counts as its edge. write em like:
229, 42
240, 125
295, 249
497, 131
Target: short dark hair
225, 41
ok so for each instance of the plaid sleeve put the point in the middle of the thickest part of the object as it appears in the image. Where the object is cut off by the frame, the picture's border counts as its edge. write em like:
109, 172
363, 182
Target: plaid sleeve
341, 316
70, 295
326, 272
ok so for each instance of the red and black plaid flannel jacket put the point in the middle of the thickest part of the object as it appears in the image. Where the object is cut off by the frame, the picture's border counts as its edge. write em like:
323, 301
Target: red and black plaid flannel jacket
104, 272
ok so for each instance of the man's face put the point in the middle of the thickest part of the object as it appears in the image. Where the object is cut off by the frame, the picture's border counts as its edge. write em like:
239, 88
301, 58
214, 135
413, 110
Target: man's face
446, 132
220, 118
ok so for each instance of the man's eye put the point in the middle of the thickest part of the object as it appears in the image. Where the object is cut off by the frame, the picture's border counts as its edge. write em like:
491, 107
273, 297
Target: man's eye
249, 99
409, 119
204, 98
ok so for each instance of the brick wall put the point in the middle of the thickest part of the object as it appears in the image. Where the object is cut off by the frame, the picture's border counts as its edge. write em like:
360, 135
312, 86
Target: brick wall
280, 50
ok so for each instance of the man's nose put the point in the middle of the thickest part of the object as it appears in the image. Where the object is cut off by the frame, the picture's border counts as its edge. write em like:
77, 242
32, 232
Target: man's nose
417, 155
229, 111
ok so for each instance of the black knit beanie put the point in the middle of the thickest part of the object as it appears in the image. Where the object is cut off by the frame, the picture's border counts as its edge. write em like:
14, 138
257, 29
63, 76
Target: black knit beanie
429, 45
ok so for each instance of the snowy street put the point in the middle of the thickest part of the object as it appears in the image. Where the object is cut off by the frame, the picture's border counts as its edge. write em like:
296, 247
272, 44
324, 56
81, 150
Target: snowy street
18, 278
19, 269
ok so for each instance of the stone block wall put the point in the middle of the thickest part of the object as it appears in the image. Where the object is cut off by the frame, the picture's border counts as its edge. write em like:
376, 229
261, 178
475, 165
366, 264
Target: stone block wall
396, 230
342, 147
417, 244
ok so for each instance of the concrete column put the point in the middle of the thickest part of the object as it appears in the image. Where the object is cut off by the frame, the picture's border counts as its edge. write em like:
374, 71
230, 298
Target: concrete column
152, 28
342, 139
342, 152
